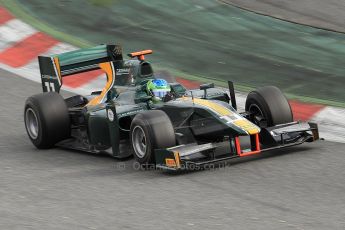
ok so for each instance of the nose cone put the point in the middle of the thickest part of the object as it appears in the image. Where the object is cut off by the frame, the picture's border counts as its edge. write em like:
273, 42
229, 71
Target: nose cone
230, 117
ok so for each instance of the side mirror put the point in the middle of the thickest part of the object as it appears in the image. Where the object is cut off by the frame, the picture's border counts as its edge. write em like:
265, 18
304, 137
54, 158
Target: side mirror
205, 87
177, 89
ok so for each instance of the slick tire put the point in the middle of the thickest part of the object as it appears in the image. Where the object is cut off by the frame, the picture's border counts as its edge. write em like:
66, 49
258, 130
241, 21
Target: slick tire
46, 119
270, 103
150, 130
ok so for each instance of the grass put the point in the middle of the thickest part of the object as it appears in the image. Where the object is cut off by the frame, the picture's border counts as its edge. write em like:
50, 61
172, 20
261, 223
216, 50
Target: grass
21, 13
102, 3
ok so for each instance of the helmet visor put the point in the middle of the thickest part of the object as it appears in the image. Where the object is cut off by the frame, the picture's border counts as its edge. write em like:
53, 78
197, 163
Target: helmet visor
160, 92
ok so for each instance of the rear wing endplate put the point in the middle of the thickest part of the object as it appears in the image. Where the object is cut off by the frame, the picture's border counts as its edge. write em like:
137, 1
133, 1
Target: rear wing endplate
53, 69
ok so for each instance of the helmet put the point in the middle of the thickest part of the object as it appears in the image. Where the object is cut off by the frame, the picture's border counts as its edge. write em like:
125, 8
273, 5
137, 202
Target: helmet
158, 87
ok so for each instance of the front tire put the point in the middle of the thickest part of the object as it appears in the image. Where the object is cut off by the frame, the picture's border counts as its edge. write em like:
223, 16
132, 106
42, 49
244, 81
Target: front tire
46, 119
150, 130
269, 106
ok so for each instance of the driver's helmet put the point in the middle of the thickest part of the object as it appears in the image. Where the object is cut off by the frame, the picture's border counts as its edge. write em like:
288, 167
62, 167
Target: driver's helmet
158, 88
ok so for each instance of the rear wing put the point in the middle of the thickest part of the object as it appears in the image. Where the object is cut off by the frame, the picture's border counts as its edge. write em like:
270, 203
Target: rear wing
53, 69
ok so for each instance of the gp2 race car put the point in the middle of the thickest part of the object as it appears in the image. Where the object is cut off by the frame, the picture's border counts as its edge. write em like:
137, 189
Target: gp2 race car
174, 128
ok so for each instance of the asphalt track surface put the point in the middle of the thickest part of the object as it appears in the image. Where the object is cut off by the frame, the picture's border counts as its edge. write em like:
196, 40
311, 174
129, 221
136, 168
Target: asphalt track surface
299, 188
319, 13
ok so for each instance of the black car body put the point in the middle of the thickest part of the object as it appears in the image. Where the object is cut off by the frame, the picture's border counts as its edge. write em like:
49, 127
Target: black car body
191, 128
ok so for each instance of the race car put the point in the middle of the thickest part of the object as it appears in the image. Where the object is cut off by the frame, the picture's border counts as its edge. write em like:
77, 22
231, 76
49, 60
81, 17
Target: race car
159, 123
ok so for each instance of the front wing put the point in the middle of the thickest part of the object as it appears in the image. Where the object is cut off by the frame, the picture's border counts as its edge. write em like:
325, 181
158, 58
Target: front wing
195, 156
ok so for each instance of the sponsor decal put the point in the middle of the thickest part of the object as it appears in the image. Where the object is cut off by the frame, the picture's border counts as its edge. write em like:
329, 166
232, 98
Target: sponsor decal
130, 113
44, 76
122, 71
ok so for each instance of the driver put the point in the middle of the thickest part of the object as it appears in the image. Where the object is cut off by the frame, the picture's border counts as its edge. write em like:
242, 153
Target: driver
159, 89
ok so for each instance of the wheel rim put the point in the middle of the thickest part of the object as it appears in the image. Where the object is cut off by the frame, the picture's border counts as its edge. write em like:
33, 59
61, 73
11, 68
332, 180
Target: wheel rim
139, 141
259, 116
31, 123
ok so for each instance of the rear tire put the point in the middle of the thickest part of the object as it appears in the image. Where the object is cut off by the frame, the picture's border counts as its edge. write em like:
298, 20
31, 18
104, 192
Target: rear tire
150, 130
270, 104
46, 119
